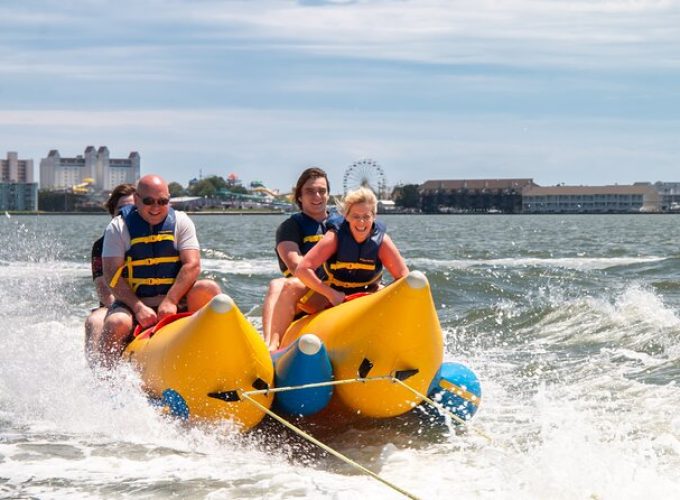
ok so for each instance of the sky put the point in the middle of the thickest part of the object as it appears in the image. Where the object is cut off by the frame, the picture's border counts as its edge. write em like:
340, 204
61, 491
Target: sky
576, 92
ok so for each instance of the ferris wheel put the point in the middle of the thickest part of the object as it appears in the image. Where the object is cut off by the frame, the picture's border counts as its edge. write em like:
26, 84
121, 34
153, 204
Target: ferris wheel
365, 173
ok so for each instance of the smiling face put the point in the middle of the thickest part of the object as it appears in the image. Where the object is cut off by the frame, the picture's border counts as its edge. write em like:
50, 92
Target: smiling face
152, 199
314, 198
360, 218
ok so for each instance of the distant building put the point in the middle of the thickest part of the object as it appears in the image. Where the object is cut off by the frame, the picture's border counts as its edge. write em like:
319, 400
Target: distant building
669, 196
386, 206
16, 170
94, 167
473, 195
17, 189
19, 196
187, 203
639, 197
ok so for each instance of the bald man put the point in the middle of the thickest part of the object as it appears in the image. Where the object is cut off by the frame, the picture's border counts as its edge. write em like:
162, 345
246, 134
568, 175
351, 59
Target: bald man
162, 246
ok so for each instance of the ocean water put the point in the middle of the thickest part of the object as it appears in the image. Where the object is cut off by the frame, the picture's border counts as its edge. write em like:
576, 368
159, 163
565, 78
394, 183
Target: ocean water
572, 324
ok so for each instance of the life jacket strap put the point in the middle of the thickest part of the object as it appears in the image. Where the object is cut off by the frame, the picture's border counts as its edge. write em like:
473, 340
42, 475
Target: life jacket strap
116, 276
352, 265
312, 238
130, 264
135, 283
347, 284
306, 296
152, 238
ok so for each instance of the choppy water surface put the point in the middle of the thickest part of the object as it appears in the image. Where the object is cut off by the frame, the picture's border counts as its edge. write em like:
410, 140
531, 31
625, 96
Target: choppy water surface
571, 322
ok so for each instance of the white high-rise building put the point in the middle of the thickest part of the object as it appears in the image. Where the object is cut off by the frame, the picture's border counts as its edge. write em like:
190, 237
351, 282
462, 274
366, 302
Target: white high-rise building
95, 167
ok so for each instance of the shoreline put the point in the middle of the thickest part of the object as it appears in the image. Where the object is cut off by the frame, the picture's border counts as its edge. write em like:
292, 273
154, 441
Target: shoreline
265, 212
249, 212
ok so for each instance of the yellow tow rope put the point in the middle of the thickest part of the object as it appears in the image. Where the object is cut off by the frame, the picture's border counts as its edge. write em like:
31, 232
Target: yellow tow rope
442, 407
327, 448
247, 396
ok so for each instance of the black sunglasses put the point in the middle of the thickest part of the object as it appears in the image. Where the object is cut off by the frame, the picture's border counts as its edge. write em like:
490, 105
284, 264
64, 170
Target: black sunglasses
153, 201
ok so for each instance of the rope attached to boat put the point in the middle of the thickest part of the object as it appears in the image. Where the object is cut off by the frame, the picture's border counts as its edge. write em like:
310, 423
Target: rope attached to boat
321, 384
441, 407
389, 378
247, 396
313, 440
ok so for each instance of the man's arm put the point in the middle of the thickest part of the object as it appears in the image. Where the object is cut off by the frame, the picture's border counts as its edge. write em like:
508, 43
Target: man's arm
288, 241
188, 247
144, 315
306, 269
113, 257
103, 291
188, 274
122, 290
290, 254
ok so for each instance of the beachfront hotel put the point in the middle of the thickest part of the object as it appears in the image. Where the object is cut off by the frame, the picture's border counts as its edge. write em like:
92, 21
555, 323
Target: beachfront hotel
17, 189
633, 198
669, 194
94, 168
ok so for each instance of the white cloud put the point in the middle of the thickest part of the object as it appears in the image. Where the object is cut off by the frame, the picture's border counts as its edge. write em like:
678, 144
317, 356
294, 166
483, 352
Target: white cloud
429, 88
477, 32
548, 32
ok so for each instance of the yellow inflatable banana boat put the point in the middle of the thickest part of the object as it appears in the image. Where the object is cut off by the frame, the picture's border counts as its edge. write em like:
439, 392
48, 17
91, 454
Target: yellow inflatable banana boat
207, 365
393, 332
198, 365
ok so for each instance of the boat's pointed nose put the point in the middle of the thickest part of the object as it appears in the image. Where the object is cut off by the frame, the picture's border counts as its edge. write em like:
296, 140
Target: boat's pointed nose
222, 303
309, 344
416, 279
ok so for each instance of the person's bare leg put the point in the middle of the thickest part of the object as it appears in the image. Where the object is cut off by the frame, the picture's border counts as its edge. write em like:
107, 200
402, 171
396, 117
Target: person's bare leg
284, 310
93, 332
117, 327
201, 293
313, 302
270, 300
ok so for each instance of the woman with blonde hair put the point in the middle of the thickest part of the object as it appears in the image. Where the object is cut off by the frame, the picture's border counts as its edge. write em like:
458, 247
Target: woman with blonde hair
353, 252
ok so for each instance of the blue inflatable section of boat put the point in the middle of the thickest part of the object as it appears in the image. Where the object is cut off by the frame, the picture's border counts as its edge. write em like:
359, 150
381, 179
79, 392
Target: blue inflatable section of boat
303, 362
457, 388
175, 404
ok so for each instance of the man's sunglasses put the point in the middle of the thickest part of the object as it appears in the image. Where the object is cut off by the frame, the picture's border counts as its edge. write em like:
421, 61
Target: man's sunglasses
153, 201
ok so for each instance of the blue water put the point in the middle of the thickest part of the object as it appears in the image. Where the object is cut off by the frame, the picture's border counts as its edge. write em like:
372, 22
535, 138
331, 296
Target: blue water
571, 322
